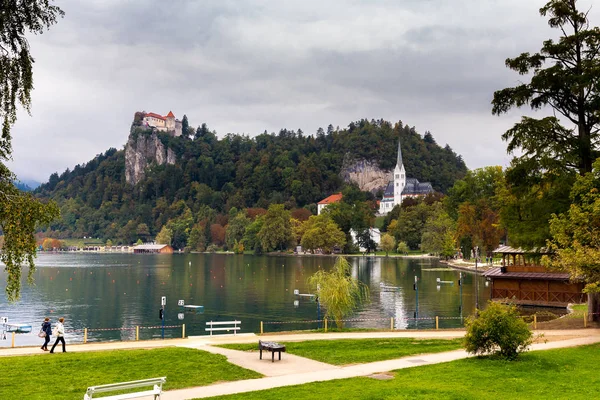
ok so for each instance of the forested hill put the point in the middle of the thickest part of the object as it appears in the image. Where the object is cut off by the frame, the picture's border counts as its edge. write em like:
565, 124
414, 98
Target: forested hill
213, 175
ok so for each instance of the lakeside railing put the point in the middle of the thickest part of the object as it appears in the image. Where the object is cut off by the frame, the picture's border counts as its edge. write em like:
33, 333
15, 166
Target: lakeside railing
576, 320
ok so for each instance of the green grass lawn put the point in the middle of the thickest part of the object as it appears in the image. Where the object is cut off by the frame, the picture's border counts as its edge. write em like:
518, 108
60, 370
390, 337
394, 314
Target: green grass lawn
553, 374
580, 308
67, 376
357, 351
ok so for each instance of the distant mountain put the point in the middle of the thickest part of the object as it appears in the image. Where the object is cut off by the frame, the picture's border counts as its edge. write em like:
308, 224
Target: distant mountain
27, 185
132, 193
23, 186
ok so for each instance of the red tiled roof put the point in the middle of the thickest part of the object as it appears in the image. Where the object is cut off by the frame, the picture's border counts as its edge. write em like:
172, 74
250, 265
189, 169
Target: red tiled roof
497, 274
154, 115
170, 115
334, 198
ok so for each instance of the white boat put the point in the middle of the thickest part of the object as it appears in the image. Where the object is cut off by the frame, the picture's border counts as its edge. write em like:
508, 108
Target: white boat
18, 328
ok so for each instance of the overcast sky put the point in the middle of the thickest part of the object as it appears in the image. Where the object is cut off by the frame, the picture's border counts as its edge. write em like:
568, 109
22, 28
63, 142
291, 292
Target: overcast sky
253, 65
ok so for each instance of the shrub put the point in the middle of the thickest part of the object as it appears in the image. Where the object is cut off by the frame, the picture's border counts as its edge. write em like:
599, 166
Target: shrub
498, 329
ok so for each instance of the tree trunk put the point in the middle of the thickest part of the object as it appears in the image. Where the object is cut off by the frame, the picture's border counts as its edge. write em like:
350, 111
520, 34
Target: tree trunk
593, 307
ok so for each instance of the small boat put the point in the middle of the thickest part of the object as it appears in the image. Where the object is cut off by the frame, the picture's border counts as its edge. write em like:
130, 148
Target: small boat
18, 328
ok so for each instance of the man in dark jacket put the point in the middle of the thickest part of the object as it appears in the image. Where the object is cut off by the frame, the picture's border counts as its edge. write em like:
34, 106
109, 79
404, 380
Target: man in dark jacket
47, 329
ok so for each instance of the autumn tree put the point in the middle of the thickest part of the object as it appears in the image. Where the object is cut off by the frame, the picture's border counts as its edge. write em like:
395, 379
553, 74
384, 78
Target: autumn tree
438, 234
320, 232
20, 213
575, 243
339, 292
402, 248
276, 231
387, 243
164, 236
235, 229
564, 77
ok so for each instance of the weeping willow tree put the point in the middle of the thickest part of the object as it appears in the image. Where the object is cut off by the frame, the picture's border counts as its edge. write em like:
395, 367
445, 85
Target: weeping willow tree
338, 291
20, 213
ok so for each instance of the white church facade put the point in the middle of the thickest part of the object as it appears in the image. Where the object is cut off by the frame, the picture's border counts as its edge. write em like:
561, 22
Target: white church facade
401, 187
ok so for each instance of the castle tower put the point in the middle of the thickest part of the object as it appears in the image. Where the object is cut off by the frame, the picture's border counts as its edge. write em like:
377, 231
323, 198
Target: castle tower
170, 119
399, 177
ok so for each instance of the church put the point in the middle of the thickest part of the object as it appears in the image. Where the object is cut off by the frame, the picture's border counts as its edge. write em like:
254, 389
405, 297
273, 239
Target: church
401, 187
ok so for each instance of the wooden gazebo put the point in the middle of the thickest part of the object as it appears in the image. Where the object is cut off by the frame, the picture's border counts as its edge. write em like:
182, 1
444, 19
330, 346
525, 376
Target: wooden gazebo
522, 280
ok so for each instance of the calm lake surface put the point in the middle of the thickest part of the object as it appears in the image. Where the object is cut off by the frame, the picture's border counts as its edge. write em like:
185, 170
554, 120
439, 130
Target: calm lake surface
121, 291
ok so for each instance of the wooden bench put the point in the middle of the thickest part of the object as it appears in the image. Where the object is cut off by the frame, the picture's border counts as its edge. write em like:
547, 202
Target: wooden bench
113, 387
272, 347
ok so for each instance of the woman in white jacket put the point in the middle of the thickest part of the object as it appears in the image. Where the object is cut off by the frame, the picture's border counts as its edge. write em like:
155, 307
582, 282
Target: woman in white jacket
60, 335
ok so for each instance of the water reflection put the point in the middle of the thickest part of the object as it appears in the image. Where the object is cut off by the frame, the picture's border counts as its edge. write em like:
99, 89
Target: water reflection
124, 290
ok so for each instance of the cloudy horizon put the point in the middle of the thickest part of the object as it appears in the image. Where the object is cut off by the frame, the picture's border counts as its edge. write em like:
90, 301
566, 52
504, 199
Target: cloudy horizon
255, 65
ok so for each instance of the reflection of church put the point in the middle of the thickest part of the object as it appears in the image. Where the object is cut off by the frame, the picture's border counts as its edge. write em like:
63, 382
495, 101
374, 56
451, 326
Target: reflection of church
401, 187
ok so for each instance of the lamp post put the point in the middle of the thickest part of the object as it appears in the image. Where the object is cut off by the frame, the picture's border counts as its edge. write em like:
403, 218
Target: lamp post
476, 283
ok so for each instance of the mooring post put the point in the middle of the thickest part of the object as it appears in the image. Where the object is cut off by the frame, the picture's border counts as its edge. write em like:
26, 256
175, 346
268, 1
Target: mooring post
137, 333
84, 335
437, 323
183, 331
534, 321
392, 324
325, 320
261, 327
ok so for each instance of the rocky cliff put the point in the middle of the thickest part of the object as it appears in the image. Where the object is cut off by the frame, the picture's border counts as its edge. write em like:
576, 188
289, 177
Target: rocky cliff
366, 174
141, 151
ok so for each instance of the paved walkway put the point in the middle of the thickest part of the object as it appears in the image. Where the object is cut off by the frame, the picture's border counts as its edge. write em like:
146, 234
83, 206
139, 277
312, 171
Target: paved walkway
295, 370
352, 371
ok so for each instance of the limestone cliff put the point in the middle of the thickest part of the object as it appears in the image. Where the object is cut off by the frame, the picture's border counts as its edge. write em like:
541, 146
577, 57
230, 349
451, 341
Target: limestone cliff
141, 151
366, 174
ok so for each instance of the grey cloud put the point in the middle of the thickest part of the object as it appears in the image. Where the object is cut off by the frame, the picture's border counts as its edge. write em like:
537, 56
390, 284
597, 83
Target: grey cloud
247, 66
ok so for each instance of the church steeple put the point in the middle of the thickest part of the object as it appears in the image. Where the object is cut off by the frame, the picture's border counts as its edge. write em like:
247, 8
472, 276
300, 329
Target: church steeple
399, 162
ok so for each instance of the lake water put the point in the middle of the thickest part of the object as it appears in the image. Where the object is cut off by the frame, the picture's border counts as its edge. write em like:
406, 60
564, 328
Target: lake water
121, 291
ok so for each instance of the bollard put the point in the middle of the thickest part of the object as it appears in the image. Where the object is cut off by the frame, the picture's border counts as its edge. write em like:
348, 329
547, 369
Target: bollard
325, 320
584, 320
437, 323
84, 335
137, 333
261, 327
13, 340
534, 321
392, 324
183, 331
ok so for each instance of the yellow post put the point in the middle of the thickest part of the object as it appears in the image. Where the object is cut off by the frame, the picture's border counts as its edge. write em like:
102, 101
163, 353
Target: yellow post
534, 321
183, 331
261, 327
84, 335
437, 323
13, 340
584, 321
392, 324
137, 333
324, 320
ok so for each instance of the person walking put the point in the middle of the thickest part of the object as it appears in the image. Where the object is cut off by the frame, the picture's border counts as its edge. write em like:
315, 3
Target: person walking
47, 329
60, 333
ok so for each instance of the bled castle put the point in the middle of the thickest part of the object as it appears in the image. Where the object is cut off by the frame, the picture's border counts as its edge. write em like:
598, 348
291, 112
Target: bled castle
166, 123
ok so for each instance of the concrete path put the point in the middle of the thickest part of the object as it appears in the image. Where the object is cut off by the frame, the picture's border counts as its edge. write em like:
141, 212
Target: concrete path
289, 364
353, 371
294, 370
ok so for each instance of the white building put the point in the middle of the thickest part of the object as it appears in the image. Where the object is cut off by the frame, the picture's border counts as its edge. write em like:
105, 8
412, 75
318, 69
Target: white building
401, 187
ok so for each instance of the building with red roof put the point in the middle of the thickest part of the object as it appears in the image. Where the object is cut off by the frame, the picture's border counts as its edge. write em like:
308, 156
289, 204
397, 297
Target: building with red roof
166, 123
334, 198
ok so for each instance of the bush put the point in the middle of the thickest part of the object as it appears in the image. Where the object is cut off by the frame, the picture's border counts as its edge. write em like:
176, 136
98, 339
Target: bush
500, 330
